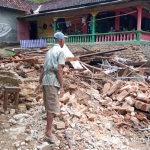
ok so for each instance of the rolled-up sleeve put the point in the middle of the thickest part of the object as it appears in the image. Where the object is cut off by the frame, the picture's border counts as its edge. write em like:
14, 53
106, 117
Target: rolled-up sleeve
61, 58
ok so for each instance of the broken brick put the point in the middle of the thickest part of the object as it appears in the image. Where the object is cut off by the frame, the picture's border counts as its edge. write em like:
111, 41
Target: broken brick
106, 88
141, 116
60, 125
106, 101
65, 98
130, 100
91, 117
72, 86
134, 120
122, 95
141, 96
116, 86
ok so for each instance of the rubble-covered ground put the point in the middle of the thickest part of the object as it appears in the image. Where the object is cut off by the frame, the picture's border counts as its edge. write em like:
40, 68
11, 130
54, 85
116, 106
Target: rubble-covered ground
97, 113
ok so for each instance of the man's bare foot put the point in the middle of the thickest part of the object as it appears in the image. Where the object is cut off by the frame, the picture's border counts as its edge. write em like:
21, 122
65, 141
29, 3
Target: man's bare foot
50, 135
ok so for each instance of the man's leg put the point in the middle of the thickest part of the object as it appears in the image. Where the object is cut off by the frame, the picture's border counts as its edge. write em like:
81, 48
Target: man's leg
50, 118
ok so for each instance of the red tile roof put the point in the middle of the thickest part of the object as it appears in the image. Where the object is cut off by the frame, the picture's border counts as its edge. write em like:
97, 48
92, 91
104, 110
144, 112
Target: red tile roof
64, 4
22, 5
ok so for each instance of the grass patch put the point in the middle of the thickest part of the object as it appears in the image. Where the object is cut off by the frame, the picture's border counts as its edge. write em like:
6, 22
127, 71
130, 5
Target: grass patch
9, 54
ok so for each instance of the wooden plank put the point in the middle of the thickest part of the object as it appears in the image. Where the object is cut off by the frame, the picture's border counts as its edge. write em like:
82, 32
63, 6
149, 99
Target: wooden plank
138, 64
104, 52
69, 59
87, 77
123, 65
92, 67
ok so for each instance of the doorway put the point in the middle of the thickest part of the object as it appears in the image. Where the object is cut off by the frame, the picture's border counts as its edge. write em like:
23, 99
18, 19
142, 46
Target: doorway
33, 30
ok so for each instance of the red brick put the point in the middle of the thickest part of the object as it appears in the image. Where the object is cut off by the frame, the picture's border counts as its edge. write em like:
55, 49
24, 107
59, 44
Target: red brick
143, 107
130, 100
116, 86
65, 98
138, 104
143, 84
141, 116
135, 120
132, 90
148, 108
106, 101
106, 88
91, 117
122, 95
141, 96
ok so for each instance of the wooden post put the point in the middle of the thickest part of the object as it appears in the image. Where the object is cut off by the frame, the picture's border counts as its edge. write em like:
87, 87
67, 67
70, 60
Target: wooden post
16, 99
55, 24
5, 100
117, 20
93, 25
139, 17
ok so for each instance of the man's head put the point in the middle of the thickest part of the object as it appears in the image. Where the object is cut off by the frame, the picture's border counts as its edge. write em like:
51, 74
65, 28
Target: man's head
60, 38
111, 28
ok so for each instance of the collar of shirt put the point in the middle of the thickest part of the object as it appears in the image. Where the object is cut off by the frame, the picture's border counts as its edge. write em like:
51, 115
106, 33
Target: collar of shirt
56, 45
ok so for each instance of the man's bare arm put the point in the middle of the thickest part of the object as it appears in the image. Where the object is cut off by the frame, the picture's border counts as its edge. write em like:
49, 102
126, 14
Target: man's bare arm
60, 75
41, 75
60, 79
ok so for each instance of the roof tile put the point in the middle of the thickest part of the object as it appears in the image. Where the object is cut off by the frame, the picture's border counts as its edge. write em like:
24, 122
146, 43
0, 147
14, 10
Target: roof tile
22, 5
64, 4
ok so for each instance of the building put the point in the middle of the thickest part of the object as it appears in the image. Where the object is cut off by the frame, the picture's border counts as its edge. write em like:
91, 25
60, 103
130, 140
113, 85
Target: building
129, 19
9, 25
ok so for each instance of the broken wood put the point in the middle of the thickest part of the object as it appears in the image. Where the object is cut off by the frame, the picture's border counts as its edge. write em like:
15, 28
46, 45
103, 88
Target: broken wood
109, 51
88, 77
69, 59
123, 65
92, 67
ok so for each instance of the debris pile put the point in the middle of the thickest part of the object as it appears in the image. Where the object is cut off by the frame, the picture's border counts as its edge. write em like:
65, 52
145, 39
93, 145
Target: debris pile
101, 109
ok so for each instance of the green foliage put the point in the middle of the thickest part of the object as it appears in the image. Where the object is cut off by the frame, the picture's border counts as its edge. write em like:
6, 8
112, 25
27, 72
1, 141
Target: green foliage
9, 54
38, 1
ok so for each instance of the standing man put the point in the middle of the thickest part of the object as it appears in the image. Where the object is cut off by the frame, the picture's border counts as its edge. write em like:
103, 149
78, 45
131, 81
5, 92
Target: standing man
51, 78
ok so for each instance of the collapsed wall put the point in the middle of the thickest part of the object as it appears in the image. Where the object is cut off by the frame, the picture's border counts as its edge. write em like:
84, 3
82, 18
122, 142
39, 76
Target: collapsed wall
134, 52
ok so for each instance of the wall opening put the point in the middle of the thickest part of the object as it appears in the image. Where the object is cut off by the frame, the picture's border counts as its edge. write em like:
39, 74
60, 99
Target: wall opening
33, 30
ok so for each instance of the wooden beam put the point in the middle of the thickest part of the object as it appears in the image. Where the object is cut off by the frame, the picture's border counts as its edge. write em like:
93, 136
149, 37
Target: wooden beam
99, 8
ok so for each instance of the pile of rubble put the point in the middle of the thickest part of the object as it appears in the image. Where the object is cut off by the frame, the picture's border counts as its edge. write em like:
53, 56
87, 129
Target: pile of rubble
97, 112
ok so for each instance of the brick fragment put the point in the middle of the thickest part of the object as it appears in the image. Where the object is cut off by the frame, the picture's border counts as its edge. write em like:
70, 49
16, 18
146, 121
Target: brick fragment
122, 95
60, 125
91, 117
141, 96
106, 88
141, 116
142, 106
138, 104
106, 101
134, 120
65, 98
72, 86
116, 86
130, 100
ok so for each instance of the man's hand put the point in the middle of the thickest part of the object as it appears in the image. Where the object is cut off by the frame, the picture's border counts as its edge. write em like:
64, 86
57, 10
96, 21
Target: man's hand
61, 92
37, 89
